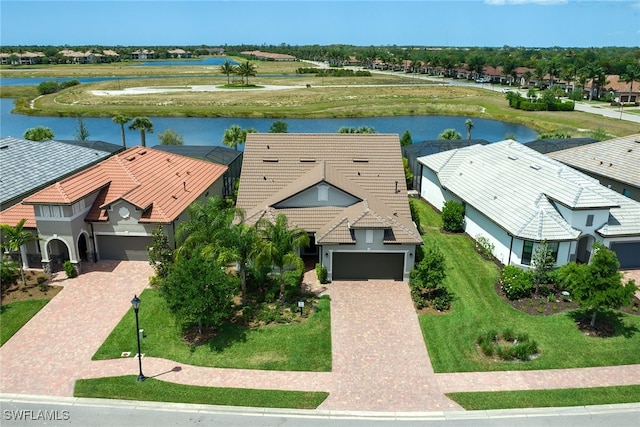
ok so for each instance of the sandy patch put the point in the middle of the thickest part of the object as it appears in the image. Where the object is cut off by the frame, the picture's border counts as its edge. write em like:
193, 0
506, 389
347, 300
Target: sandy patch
147, 90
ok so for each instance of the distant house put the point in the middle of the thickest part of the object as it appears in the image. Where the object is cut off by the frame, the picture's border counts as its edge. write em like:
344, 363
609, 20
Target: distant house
615, 163
518, 198
347, 191
143, 54
109, 210
179, 53
21, 58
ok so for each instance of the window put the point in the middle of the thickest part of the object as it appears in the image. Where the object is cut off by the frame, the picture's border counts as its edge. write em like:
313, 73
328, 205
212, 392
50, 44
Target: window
78, 207
553, 247
589, 220
626, 192
48, 211
323, 193
527, 250
369, 236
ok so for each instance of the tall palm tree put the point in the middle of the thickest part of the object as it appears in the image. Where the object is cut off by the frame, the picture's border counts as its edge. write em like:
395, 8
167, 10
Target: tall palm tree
242, 246
144, 125
246, 69
228, 68
122, 120
469, 125
631, 75
281, 245
14, 238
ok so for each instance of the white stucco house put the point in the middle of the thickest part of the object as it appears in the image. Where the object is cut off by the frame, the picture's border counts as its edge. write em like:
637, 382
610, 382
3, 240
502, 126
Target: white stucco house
517, 198
348, 191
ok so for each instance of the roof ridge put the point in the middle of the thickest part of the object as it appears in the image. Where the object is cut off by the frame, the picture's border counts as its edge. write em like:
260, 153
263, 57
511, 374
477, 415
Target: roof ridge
61, 190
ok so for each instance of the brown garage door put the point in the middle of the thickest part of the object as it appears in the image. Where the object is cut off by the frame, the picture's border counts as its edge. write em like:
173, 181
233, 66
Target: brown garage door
125, 248
363, 266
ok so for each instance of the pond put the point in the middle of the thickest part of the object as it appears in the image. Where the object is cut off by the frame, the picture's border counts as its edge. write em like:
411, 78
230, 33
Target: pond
209, 131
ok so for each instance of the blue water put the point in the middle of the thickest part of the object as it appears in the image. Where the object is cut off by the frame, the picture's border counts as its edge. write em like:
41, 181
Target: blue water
190, 62
209, 131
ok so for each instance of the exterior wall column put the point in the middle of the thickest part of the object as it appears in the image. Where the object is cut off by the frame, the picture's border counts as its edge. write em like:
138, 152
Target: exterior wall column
24, 256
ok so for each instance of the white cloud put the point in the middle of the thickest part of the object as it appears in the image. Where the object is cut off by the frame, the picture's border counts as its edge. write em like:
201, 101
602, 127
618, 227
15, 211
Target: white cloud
510, 2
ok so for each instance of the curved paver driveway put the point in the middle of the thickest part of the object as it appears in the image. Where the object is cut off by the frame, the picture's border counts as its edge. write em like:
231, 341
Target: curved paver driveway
380, 362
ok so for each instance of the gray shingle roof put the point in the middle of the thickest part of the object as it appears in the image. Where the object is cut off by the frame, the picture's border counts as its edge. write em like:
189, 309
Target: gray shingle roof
518, 188
26, 166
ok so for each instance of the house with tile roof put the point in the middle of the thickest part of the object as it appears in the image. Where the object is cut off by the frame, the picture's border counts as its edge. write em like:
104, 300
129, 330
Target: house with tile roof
348, 191
517, 198
615, 163
109, 211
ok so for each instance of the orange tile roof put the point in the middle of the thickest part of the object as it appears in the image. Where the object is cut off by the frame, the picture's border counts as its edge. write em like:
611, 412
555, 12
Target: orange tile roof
15, 213
160, 183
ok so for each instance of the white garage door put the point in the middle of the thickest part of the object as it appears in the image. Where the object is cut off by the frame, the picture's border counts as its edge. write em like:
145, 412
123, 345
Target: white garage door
124, 248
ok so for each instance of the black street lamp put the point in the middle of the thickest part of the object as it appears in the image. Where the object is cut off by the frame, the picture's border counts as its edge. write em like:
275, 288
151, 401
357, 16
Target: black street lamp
135, 302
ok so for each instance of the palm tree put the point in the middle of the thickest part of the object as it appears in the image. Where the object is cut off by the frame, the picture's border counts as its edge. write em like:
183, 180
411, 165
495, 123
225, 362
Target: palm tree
245, 70
14, 238
228, 68
281, 245
631, 75
242, 246
144, 125
235, 136
449, 134
469, 125
122, 120
205, 229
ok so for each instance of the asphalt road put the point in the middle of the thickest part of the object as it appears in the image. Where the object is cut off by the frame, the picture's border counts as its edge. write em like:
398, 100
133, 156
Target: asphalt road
49, 411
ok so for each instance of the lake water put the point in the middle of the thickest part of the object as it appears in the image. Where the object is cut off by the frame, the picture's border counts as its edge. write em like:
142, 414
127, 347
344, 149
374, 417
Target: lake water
209, 131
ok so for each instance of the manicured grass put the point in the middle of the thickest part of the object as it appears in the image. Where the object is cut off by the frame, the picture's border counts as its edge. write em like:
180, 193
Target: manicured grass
547, 398
296, 347
13, 316
477, 308
128, 388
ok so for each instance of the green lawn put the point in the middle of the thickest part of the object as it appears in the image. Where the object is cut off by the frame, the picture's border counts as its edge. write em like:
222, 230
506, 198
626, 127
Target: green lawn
297, 347
477, 308
547, 398
128, 388
14, 315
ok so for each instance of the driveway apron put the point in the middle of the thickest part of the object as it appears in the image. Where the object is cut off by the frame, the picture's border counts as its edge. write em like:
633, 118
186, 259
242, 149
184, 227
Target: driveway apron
380, 362
50, 352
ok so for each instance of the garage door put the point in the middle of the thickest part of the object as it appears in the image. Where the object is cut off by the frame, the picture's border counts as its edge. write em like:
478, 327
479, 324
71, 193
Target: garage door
628, 254
125, 248
363, 266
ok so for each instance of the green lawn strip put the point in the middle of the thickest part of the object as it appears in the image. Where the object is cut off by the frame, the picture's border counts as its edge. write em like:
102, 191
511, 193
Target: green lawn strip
296, 347
15, 315
477, 308
547, 398
128, 388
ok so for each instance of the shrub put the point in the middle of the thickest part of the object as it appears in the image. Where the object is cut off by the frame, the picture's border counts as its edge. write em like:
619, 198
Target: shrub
508, 345
292, 282
9, 272
70, 269
485, 247
453, 216
516, 283
321, 272
41, 279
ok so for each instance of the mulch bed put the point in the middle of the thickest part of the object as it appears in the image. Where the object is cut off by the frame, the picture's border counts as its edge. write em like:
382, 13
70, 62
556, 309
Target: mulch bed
31, 290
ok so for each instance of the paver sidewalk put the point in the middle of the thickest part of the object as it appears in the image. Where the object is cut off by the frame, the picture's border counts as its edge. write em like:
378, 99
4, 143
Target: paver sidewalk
380, 362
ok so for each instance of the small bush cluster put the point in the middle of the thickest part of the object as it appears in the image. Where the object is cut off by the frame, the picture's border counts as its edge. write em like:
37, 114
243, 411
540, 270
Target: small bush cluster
333, 72
453, 216
508, 345
46, 88
9, 272
546, 103
484, 246
322, 273
516, 283
70, 269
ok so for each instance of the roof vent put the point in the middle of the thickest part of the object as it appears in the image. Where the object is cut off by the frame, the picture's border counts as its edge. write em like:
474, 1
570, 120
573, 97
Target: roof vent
131, 158
142, 152
307, 160
513, 157
4, 147
360, 160
536, 167
270, 160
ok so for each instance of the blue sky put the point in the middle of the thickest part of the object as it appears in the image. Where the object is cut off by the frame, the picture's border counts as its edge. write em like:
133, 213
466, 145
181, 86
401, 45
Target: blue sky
531, 23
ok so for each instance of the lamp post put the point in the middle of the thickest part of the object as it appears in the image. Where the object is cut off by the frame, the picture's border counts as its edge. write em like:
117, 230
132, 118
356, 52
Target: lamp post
135, 302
